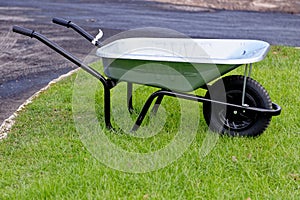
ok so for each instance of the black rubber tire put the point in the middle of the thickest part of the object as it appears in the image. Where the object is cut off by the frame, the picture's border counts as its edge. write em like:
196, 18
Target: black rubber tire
226, 120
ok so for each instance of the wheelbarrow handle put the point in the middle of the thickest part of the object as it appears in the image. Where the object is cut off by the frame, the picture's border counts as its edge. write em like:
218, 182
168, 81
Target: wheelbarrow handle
78, 29
61, 22
64, 53
23, 31
107, 83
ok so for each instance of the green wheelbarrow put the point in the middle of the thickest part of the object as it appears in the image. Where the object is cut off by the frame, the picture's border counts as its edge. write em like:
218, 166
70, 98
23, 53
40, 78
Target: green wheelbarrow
235, 105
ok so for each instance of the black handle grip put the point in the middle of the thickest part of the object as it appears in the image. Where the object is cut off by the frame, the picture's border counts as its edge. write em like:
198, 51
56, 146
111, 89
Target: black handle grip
78, 29
23, 31
61, 21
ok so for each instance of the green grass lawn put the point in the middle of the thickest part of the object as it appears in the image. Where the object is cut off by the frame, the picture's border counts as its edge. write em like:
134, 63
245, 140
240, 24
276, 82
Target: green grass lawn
44, 156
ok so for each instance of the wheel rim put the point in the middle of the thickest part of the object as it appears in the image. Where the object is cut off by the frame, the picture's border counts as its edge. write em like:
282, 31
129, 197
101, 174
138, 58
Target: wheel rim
234, 119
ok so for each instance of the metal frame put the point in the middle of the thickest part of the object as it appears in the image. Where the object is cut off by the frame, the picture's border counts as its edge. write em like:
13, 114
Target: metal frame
247, 74
108, 83
161, 93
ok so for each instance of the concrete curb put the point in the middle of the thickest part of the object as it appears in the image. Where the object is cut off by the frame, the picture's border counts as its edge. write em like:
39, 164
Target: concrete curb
9, 122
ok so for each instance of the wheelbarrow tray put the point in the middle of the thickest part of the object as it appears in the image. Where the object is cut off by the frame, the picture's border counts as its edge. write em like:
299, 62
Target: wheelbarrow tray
179, 64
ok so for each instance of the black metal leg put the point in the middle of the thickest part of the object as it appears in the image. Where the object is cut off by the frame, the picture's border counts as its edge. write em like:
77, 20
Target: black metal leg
107, 108
129, 98
145, 108
157, 104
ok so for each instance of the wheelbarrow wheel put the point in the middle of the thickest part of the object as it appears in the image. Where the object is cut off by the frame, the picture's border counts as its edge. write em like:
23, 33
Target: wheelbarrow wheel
231, 121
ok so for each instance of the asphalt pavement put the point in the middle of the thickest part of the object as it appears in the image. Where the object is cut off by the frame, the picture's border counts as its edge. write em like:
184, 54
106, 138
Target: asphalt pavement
27, 65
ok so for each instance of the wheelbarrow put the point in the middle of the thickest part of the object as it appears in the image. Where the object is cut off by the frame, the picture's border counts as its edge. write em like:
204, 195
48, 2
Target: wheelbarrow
235, 105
